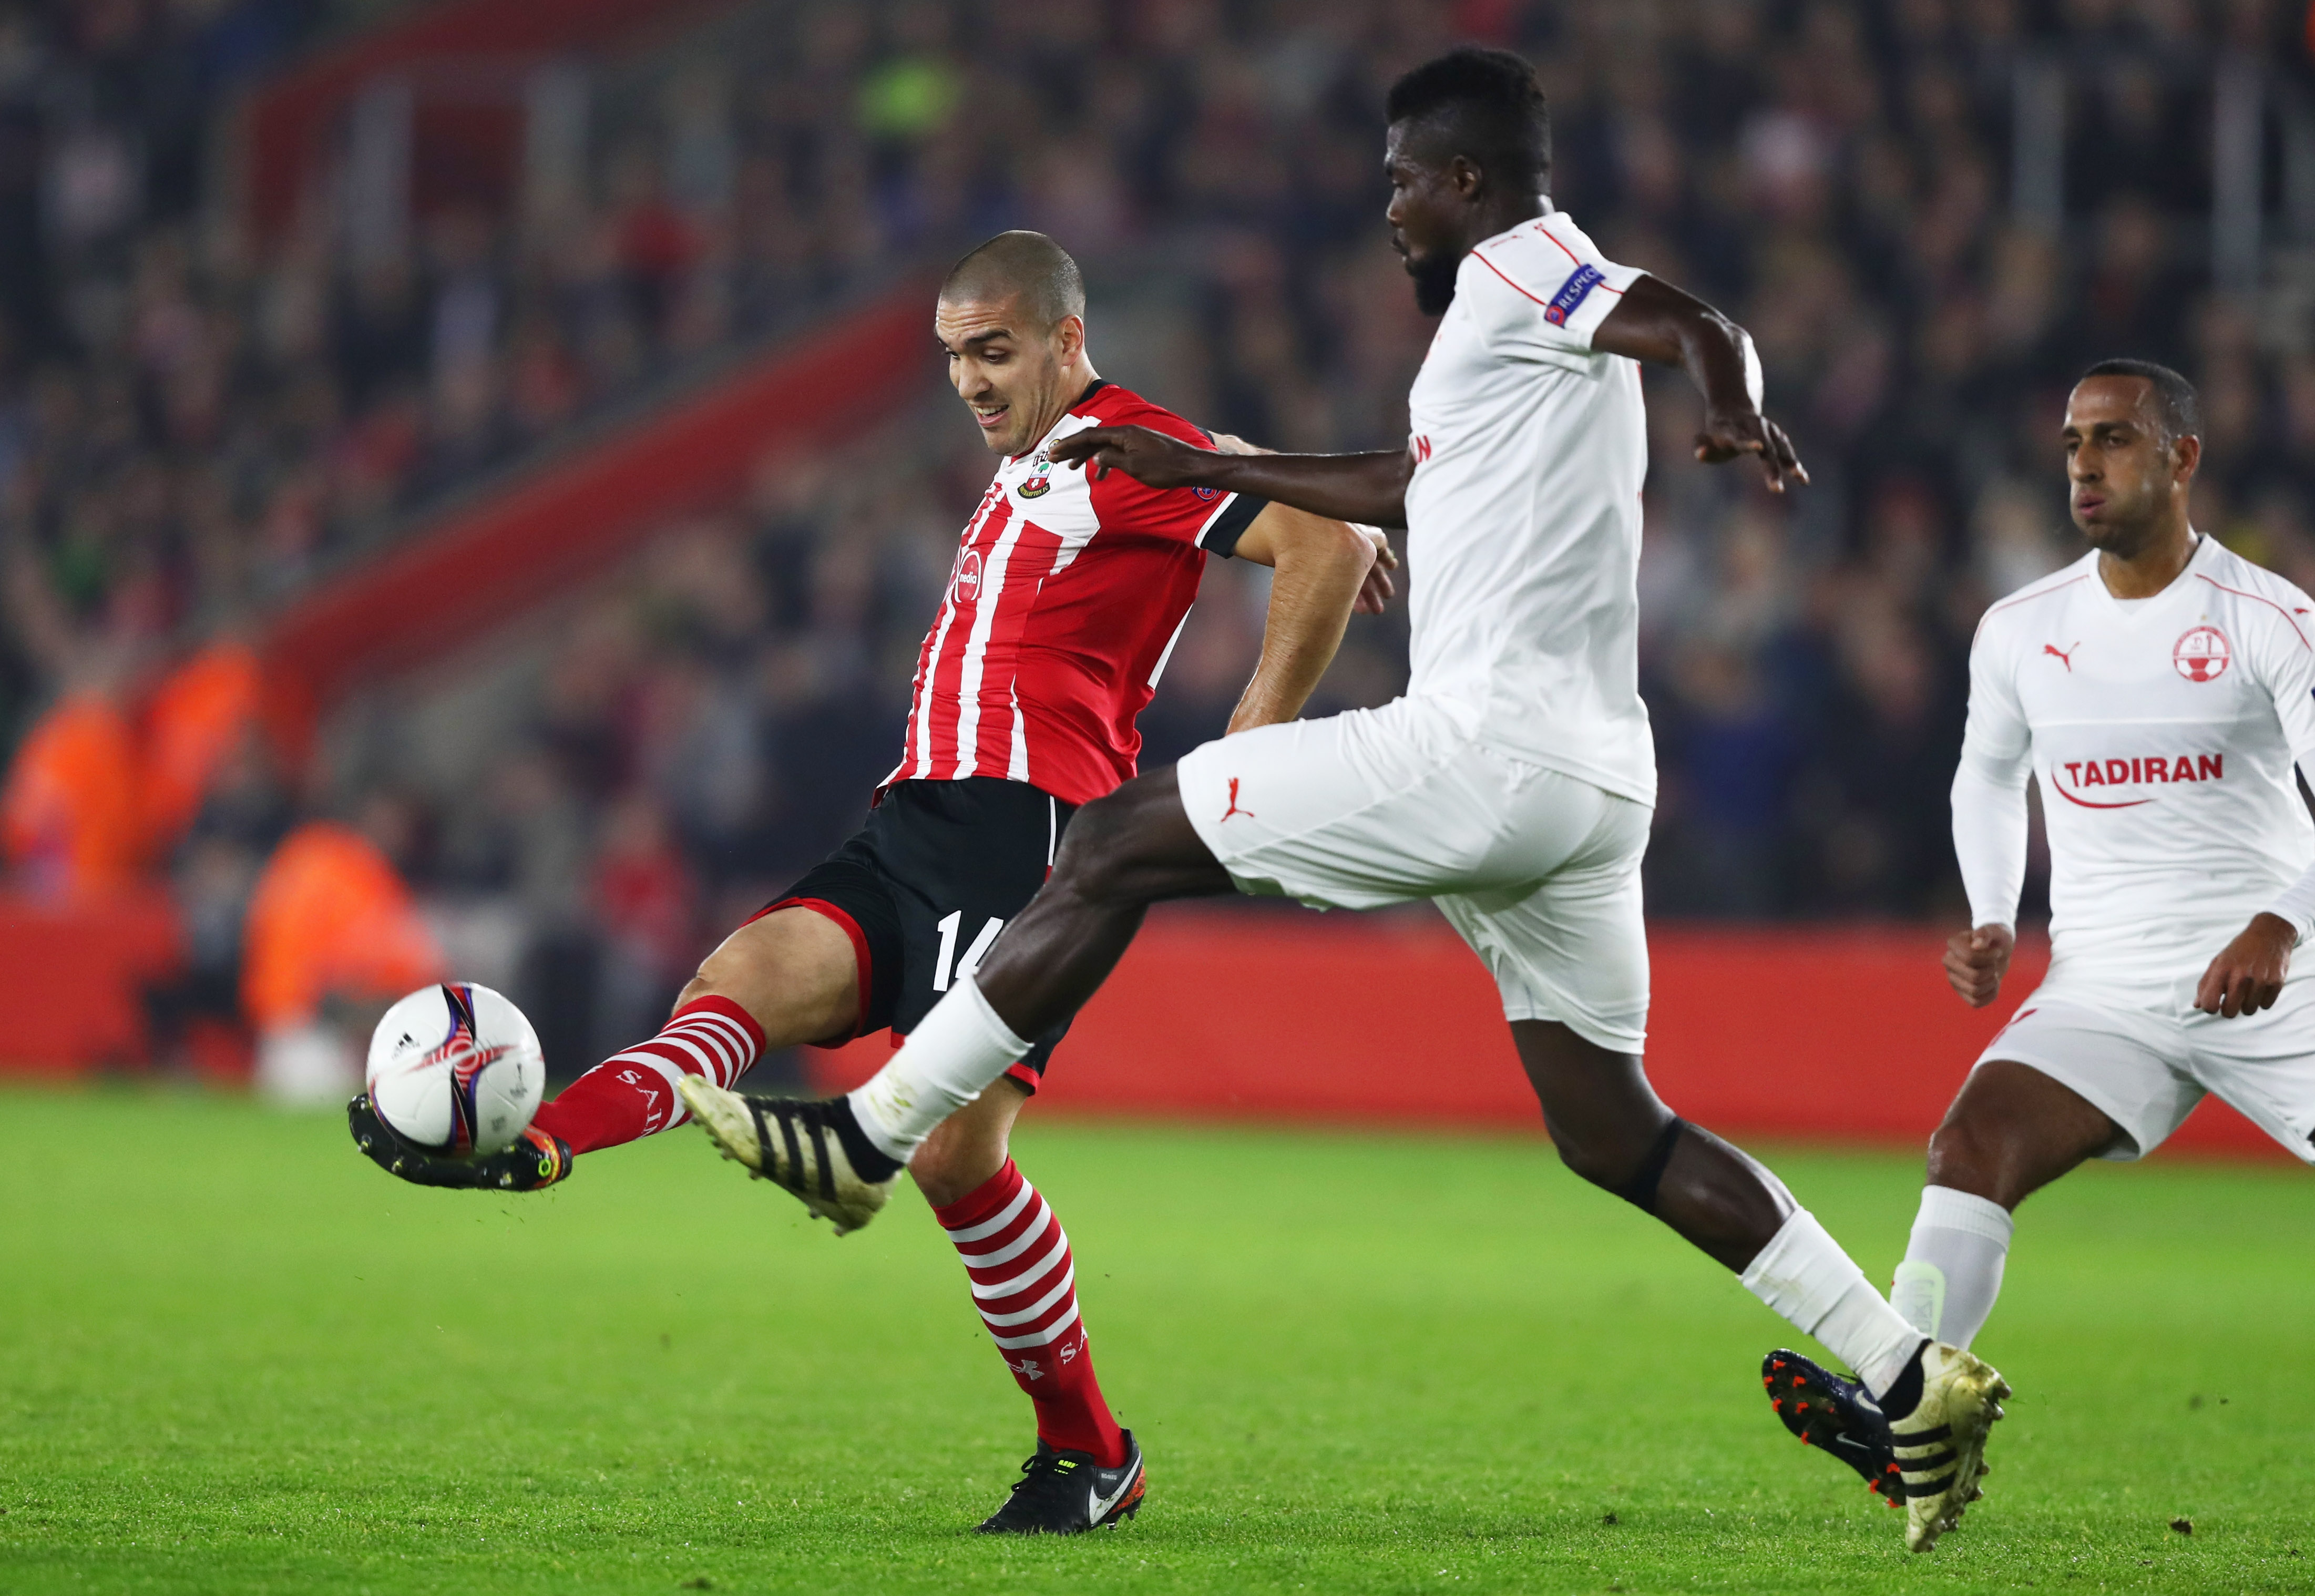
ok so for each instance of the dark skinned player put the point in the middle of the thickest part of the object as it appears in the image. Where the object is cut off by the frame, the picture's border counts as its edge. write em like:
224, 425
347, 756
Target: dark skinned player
1513, 782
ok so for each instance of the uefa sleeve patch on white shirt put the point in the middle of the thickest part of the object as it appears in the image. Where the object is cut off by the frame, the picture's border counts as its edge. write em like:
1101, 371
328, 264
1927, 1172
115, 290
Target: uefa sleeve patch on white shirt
1544, 285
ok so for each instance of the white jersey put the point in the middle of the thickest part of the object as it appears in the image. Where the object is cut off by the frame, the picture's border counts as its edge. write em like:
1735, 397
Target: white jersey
1523, 513
2163, 732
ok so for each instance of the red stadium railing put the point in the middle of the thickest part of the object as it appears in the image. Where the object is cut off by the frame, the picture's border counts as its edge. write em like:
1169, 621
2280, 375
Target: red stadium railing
1840, 1034
482, 566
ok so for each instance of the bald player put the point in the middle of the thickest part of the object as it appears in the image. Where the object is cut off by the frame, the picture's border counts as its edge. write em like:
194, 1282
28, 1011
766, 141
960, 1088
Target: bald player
1063, 603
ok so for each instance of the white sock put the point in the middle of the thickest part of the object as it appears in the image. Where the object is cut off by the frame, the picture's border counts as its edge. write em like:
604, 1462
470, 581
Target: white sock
1951, 1271
1803, 1276
952, 1054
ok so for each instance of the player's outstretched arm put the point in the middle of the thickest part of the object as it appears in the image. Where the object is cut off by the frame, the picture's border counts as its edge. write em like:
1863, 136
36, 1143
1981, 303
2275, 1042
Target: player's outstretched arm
1369, 488
1322, 567
1659, 323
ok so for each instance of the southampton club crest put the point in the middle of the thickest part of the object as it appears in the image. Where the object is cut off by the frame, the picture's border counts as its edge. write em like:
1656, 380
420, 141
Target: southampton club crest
2202, 654
1039, 478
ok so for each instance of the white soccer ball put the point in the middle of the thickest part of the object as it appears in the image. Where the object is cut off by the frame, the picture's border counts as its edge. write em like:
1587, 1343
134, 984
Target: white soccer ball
456, 1070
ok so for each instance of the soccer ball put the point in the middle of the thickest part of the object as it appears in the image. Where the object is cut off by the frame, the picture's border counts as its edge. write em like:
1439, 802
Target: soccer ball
456, 1070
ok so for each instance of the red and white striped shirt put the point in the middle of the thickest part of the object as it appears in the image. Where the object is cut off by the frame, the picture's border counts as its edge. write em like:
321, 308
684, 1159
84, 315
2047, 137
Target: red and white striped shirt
1065, 600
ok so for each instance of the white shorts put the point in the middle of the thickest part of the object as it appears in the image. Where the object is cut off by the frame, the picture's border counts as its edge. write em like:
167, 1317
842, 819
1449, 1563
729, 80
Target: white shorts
2144, 1060
1537, 870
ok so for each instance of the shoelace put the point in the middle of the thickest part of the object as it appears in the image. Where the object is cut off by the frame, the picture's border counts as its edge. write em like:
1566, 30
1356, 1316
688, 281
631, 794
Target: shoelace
1041, 1467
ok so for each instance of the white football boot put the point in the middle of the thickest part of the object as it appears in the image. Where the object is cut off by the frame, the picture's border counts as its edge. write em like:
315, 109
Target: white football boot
798, 1144
1940, 1445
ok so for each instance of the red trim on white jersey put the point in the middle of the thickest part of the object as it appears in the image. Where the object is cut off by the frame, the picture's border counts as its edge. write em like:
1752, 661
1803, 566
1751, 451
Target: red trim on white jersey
2297, 630
1065, 597
1481, 256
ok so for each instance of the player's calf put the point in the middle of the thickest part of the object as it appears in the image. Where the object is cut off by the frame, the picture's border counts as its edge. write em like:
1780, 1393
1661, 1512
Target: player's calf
1123, 853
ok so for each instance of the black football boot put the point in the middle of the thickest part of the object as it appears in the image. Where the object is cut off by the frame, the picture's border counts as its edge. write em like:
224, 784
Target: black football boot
536, 1160
1069, 1493
1836, 1415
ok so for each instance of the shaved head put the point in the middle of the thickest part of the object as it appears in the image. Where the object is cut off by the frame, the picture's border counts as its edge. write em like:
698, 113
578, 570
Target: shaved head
1027, 266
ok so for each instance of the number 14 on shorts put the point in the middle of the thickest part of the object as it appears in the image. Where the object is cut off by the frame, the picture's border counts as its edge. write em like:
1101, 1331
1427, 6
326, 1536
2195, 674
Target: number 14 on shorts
947, 960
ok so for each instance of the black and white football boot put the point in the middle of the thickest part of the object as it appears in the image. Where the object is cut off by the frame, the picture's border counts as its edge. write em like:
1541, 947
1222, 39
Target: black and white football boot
1930, 1457
536, 1161
1940, 1438
1835, 1414
811, 1149
1069, 1493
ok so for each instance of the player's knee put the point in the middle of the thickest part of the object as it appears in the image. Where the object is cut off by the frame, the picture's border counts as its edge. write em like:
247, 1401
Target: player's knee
1604, 1161
706, 981
950, 1168
1968, 1155
1097, 855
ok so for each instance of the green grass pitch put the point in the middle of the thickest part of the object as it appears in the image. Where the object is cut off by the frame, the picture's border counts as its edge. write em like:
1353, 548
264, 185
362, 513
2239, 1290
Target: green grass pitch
238, 1358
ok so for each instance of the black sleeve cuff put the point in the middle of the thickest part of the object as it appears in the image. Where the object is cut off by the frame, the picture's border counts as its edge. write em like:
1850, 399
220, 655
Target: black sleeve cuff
1221, 534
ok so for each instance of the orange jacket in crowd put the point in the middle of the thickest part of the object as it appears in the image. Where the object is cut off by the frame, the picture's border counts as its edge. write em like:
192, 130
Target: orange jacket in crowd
198, 716
72, 819
87, 804
329, 916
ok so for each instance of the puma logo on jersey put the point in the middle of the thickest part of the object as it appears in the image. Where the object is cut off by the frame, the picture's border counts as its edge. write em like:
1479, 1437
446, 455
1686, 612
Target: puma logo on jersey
2139, 772
2064, 656
1234, 809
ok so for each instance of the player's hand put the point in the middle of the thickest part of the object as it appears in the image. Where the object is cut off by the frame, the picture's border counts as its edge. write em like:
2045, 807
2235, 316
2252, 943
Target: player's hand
2249, 975
1976, 960
1730, 433
1150, 458
1376, 592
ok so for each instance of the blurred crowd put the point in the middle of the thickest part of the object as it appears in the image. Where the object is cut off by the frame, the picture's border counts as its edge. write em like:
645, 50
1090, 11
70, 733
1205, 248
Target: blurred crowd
194, 429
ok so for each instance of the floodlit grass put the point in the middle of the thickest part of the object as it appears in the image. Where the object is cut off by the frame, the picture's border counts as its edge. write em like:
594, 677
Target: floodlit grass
235, 1357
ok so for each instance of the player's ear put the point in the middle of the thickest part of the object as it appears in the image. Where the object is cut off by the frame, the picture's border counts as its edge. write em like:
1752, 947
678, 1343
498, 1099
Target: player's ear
2186, 453
1068, 338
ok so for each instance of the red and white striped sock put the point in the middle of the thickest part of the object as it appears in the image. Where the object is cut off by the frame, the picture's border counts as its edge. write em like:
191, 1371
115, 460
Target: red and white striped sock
632, 1095
1025, 1284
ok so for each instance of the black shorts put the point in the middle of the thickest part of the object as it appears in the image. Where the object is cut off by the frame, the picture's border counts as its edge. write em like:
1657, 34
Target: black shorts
924, 888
